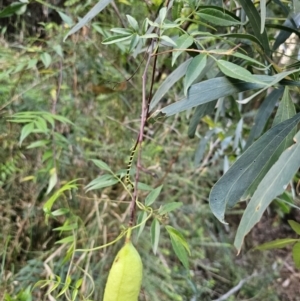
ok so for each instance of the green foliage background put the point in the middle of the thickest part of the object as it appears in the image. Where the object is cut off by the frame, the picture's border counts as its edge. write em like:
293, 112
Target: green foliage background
64, 104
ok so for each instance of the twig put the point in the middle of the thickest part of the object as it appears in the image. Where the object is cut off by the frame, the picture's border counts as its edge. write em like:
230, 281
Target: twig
141, 136
236, 288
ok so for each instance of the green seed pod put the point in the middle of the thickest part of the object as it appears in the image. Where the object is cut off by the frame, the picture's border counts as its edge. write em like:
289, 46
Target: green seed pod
125, 276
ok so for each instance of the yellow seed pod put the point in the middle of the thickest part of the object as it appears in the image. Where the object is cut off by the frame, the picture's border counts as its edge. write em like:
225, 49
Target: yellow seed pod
125, 276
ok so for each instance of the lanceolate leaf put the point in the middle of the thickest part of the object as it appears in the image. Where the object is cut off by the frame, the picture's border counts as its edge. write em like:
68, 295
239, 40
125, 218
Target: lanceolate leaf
193, 71
295, 226
263, 115
250, 168
296, 255
255, 21
263, 12
272, 185
276, 244
286, 108
183, 42
168, 83
155, 233
212, 89
218, 17
89, 16
235, 71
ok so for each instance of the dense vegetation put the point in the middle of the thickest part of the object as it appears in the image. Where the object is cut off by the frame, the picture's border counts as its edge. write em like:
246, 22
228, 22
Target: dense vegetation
158, 115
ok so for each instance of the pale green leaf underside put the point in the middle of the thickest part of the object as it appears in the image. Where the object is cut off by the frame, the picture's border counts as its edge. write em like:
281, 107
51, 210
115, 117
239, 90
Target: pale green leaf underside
272, 185
235, 184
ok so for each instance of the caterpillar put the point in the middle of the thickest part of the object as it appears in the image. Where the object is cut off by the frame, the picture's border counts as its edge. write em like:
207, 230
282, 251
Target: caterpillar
129, 165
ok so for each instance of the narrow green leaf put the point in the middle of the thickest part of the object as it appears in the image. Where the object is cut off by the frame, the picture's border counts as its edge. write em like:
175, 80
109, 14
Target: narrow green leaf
180, 252
169, 82
263, 13
102, 182
101, 164
133, 22
194, 70
286, 108
276, 244
46, 59
68, 20
52, 181
140, 220
179, 245
272, 185
250, 168
60, 211
199, 113
65, 240
39, 143
90, 15
67, 227
295, 226
263, 114
277, 78
116, 39
247, 58
162, 14
217, 17
155, 233
11, 9
41, 124
235, 71
26, 130
296, 254
152, 196
174, 232
200, 151
79, 283
65, 287
74, 294
243, 37
286, 30
212, 89
183, 42
168, 40
255, 21
122, 31
169, 207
